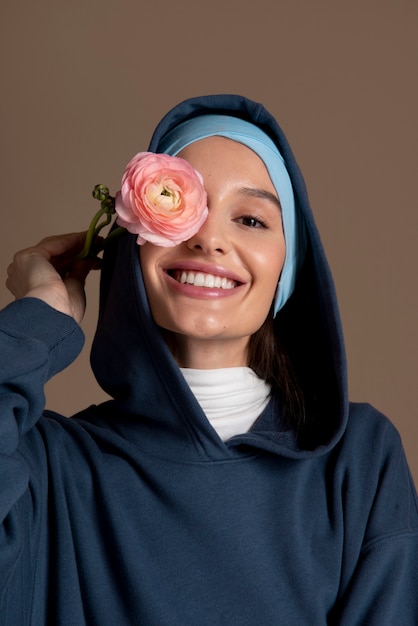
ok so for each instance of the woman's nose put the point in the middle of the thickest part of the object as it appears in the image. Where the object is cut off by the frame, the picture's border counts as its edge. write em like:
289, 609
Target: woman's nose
212, 236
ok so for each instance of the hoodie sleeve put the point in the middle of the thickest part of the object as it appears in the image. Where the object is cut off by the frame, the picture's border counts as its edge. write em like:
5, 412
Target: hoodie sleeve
379, 587
383, 591
36, 342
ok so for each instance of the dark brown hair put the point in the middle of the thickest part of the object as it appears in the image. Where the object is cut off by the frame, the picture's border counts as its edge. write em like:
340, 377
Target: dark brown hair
268, 358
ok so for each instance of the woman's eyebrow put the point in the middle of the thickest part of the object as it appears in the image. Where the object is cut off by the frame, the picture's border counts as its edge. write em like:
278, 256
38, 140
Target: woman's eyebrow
263, 194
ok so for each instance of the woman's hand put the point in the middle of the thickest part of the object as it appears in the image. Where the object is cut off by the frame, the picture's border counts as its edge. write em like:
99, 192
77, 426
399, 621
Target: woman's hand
49, 271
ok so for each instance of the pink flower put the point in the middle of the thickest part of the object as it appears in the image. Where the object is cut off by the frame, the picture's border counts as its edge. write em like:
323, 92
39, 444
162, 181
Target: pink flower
162, 199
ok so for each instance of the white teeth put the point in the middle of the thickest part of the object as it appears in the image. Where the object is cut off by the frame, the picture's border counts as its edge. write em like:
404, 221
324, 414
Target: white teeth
209, 280
199, 279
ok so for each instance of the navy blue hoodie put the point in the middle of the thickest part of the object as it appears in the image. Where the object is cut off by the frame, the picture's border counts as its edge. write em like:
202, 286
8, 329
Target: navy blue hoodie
136, 512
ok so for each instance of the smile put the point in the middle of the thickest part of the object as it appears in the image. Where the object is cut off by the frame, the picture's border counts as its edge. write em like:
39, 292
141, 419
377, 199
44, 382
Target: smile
201, 279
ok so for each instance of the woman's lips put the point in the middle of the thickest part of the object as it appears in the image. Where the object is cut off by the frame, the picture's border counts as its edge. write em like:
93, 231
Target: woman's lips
202, 280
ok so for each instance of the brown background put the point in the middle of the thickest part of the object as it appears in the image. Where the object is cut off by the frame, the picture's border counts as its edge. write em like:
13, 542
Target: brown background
83, 84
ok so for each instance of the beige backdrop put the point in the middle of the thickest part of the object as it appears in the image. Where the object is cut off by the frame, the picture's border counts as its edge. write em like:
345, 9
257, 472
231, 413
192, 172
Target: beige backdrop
83, 84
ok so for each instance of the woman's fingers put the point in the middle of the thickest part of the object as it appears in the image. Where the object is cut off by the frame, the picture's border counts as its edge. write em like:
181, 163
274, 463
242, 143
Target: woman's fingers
50, 272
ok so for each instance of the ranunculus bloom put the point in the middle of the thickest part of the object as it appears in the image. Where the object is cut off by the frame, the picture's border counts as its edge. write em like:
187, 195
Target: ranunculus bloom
162, 199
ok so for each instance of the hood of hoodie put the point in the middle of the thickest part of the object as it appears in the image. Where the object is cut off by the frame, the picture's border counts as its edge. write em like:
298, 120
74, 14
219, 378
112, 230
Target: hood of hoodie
152, 403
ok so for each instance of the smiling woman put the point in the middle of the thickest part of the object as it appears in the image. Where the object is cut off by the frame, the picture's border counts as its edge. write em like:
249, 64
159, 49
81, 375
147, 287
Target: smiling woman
228, 480
219, 285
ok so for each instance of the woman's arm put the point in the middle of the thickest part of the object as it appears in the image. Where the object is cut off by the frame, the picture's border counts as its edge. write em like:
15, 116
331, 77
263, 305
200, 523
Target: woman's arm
39, 336
379, 581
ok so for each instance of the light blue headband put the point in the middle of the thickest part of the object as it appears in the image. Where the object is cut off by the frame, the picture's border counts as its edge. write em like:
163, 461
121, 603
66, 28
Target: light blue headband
253, 137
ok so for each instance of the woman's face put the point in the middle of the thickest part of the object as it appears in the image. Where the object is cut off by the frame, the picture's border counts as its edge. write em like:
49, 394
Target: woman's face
215, 290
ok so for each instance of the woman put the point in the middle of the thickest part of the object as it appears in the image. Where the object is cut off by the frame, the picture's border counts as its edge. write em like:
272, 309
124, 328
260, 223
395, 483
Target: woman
228, 480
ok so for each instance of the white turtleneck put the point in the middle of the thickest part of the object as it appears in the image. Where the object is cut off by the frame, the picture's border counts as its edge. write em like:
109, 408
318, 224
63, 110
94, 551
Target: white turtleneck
232, 398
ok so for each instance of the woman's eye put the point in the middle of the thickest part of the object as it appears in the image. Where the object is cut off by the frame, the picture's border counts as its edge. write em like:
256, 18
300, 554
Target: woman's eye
252, 221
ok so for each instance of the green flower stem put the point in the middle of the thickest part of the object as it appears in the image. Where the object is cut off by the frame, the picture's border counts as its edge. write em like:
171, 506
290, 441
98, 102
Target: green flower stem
107, 209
